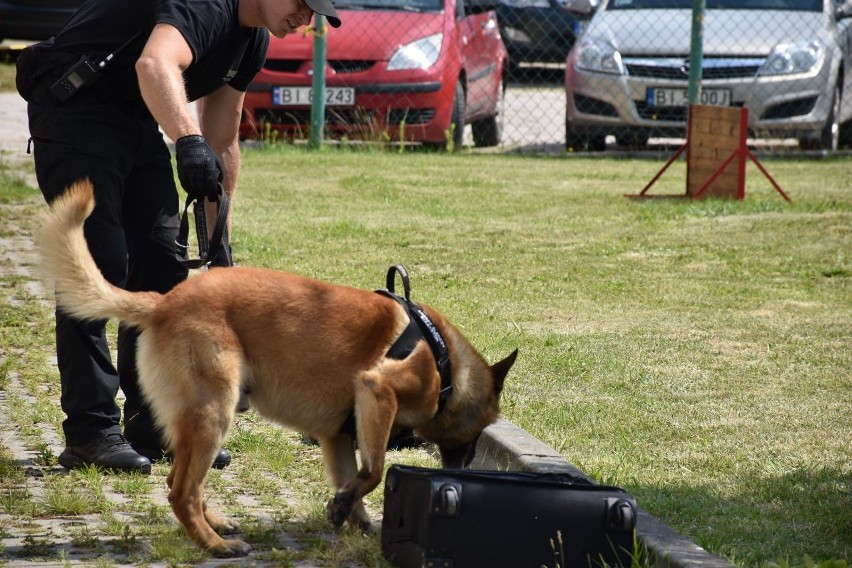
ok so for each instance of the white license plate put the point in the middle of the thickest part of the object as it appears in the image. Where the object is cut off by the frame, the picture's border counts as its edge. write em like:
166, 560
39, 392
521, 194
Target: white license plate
665, 97
302, 96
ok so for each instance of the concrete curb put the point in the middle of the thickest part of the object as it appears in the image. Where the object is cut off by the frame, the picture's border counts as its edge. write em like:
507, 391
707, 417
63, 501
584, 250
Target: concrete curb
505, 446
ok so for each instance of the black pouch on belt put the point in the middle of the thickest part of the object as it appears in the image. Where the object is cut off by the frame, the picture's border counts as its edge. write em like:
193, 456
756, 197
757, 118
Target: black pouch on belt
35, 63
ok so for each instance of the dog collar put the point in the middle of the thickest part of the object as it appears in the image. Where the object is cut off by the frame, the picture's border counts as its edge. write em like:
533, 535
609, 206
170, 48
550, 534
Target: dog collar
420, 326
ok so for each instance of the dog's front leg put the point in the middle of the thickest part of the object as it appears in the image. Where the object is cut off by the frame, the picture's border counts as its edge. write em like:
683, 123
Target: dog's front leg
375, 409
342, 467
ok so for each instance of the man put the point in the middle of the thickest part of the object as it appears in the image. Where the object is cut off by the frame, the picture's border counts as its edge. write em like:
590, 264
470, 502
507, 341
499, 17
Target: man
100, 118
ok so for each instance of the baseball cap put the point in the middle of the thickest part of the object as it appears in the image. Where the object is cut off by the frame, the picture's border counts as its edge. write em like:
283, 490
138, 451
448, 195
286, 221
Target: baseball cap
325, 8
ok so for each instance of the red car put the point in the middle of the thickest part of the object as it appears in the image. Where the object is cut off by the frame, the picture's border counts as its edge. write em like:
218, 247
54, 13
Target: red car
418, 70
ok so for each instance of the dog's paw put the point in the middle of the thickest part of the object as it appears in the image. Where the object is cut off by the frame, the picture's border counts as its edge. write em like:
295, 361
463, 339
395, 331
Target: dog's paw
364, 526
230, 549
226, 527
222, 525
338, 510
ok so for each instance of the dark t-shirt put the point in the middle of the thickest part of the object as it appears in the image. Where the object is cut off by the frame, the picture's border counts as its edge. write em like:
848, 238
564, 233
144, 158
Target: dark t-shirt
223, 51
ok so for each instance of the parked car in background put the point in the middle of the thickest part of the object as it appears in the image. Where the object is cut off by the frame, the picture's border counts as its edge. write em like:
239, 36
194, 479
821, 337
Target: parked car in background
414, 70
788, 61
34, 19
539, 31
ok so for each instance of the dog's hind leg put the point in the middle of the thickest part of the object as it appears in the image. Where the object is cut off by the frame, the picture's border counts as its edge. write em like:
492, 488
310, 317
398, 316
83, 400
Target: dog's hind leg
195, 445
196, 433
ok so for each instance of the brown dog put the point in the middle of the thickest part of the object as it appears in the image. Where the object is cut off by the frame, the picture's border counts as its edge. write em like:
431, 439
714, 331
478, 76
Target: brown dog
309, 354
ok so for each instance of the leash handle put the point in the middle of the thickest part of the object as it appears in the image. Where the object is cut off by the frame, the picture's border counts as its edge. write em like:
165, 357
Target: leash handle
391, 280
207, 253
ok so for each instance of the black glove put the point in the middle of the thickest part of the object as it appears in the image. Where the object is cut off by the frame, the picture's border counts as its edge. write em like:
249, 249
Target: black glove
198, 167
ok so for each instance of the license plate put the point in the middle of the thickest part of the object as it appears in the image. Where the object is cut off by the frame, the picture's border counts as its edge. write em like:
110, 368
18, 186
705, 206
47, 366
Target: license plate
666, 97
302, 96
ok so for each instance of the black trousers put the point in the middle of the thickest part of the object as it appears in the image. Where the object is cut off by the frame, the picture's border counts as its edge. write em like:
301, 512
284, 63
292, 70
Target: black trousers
131, 235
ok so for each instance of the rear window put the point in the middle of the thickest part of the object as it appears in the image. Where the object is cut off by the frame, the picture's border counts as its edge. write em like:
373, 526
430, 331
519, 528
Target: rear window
795, 5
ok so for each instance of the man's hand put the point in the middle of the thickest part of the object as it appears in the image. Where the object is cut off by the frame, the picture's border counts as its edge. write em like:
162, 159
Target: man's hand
198, 167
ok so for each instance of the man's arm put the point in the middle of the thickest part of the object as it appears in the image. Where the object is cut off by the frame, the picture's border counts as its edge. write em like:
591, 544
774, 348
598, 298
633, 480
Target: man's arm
160, 73
220, 113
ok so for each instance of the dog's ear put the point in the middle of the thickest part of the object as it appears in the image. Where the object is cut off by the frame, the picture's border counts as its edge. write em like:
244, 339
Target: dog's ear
501, 369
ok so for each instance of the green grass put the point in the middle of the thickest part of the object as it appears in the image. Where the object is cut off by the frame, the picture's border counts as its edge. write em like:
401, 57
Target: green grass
7, 75
694, 352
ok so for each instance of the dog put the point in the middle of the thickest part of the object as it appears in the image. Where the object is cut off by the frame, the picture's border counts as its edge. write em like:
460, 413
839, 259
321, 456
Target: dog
306, 354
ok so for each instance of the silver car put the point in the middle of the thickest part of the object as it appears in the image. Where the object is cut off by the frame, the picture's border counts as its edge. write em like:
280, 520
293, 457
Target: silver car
788, 61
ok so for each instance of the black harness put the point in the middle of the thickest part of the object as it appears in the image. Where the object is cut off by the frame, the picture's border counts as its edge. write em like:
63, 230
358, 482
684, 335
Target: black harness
420, 327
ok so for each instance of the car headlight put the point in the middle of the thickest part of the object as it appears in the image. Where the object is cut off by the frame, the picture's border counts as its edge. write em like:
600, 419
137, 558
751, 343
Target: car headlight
420, 54
597, 55
792, 58
527, 3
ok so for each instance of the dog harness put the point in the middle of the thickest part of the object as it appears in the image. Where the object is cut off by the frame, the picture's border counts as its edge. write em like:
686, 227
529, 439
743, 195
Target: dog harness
419, 327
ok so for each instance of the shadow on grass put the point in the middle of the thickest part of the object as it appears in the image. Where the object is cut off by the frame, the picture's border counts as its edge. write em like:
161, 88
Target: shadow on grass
799, 516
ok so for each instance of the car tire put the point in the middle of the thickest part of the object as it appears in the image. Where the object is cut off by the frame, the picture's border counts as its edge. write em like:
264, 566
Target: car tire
488, 132
456, 125
577, 140
829, 136
844, 137
635, 141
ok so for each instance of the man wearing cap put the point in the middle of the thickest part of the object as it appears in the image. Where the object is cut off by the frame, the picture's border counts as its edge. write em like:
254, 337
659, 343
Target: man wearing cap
98, 94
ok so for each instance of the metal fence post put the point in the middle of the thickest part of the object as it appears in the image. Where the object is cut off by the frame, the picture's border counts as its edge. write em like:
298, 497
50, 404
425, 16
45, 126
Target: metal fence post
696, 51
318, 83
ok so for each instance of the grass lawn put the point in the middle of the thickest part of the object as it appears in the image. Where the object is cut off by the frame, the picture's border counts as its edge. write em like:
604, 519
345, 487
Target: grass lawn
696, 353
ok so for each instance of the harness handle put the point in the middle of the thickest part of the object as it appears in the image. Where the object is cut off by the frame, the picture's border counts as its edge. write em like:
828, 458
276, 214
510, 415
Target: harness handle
391, 280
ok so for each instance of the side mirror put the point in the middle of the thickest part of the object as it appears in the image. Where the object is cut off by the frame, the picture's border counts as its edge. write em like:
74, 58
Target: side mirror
584, 7
480, 6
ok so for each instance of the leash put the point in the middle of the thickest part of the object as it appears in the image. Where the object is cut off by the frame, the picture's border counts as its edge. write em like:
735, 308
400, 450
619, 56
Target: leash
207, 250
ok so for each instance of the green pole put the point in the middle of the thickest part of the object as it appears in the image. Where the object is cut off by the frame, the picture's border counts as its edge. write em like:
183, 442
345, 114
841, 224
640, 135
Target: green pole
696, 51
318, 83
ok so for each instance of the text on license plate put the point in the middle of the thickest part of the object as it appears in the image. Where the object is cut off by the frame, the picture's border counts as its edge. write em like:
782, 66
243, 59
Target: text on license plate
301, 96
664, 97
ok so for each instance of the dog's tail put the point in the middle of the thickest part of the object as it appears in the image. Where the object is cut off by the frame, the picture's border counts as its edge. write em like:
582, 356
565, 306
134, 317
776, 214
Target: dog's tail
81, 289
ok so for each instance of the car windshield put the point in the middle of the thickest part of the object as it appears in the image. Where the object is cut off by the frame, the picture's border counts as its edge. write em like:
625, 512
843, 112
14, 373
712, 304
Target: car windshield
797, 5
407, 6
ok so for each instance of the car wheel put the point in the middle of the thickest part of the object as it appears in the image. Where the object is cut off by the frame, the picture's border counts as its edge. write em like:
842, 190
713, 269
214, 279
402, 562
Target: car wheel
829, 136
488, 132
636, 141
844, 137
577, 140
455, 130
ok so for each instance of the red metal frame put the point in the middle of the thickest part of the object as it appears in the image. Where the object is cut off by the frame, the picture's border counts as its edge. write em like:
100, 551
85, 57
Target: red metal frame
741, 154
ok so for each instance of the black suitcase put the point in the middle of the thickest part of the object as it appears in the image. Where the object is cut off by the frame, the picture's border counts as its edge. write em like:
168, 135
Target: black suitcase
438, 518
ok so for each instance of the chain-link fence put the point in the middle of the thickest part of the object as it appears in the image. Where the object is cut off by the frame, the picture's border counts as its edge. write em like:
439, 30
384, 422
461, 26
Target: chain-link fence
493, 73
625, 82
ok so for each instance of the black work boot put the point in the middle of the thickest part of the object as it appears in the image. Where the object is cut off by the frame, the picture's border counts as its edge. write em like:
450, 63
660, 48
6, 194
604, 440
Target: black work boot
110, 451
221, 461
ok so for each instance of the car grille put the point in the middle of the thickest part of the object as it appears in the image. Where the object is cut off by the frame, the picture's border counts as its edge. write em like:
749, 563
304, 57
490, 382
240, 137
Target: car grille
677, 68
346, 66
670, 114
342, 117
339, 66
